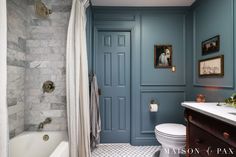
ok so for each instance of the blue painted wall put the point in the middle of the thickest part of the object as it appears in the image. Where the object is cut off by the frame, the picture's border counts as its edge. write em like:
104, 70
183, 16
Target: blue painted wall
210, 18
185, 29
150, 26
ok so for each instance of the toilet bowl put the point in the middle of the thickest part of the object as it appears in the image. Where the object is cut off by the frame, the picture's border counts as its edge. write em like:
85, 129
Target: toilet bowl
172, 137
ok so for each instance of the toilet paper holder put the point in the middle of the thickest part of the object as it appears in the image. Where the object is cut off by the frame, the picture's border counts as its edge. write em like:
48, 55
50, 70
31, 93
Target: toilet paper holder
153, 101
153, 106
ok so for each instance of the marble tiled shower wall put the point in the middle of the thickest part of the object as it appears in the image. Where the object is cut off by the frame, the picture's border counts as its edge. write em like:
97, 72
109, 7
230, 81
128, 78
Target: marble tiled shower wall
16, 63
36, 53
45, 57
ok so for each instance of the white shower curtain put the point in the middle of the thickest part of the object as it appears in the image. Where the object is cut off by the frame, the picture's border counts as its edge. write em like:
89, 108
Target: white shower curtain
78, 82
3, 81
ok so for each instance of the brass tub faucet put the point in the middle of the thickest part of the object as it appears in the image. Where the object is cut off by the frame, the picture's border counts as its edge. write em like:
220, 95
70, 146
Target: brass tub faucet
46, 121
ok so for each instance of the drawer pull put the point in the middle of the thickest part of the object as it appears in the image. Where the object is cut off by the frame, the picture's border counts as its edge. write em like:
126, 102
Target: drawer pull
198, 141
226, 135
190, 118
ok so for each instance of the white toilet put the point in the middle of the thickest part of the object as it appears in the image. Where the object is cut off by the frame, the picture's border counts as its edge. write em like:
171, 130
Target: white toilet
172, 137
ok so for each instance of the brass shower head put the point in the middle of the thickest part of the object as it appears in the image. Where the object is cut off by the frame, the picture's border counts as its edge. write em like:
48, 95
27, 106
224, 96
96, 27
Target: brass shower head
41, 9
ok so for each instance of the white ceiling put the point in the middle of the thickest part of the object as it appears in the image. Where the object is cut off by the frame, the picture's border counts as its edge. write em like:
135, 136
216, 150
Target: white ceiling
140, 3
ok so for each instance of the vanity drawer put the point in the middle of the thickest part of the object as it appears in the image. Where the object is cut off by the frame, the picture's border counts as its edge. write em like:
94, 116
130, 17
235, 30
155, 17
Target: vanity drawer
205, 144
217, 128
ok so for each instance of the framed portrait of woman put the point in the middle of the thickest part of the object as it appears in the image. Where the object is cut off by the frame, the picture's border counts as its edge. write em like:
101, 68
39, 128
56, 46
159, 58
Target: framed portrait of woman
163, 56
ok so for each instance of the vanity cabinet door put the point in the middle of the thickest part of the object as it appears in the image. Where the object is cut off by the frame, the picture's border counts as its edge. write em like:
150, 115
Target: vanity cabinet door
205, 144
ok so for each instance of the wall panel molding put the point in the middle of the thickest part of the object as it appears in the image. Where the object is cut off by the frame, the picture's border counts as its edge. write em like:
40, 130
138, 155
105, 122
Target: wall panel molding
181, 82
227, 38
156, 115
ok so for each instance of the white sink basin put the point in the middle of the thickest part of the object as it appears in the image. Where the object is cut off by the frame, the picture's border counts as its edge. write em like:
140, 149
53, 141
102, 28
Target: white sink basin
233, 113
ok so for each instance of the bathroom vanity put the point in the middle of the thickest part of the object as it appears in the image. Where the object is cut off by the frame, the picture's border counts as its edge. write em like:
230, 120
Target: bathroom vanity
211, 130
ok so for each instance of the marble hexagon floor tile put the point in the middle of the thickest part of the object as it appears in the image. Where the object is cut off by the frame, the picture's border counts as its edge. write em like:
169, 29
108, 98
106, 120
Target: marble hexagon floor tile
124, 150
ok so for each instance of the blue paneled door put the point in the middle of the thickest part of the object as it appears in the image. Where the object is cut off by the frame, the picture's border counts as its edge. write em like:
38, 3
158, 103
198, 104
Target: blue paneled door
113, 72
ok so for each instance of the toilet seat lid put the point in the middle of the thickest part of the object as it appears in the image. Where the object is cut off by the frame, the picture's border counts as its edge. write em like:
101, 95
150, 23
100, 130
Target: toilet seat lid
171, 136
172, 129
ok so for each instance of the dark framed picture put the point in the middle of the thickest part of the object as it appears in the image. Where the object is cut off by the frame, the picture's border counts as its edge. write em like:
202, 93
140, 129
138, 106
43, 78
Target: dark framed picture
211, 45
163, 56
211, 67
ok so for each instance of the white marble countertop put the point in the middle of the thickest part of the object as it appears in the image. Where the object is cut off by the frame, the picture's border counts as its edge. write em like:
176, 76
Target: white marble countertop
211, 109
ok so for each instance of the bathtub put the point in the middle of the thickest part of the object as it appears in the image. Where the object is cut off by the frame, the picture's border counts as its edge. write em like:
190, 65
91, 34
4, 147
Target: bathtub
62, 150
38, 144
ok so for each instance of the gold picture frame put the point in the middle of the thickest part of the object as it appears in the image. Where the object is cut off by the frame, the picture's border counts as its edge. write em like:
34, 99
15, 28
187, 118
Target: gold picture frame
211, 67
163, 56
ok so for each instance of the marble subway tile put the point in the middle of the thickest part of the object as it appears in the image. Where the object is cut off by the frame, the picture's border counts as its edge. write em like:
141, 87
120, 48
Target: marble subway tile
39, 64
12, 117
39, 106
37, 43
45, 29
31, 127
61, 8
16, 55
19, 129
39, 50
16, 109
13, 45
22, 44
53, 99
56, 127
41, 36
58, 106
53, 113
11, 101
40, 22
33, 117
12, 133
14, 62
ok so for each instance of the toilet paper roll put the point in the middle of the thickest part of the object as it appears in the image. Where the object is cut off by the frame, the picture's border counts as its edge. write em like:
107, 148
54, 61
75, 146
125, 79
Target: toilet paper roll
153, 107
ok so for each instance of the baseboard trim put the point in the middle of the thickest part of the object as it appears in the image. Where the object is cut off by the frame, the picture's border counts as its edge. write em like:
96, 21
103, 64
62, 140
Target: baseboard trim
144, 142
